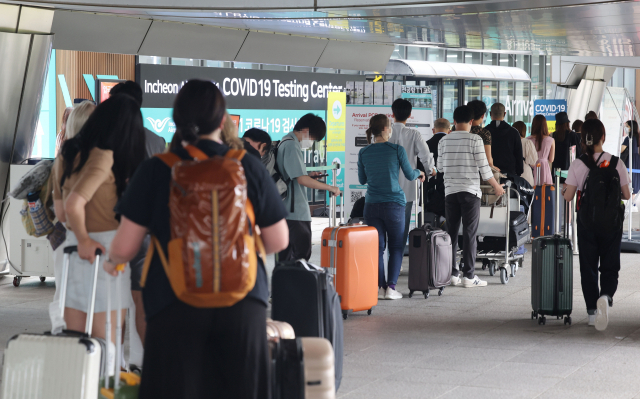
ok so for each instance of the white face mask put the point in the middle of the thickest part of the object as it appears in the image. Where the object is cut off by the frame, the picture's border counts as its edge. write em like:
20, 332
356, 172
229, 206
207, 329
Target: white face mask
307, 143
626, 129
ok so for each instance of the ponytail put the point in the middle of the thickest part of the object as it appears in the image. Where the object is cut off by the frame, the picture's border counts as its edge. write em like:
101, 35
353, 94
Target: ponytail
187, 135
369, 136
592, 133
377, 124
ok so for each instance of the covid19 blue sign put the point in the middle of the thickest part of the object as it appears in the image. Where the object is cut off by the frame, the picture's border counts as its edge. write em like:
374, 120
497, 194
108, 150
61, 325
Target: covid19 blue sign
549, 108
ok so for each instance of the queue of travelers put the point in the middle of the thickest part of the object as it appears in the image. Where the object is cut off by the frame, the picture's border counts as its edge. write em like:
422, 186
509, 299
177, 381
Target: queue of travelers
115, 193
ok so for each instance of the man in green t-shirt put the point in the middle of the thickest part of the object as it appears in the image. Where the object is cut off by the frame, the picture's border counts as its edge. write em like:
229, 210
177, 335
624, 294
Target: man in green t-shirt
291, 165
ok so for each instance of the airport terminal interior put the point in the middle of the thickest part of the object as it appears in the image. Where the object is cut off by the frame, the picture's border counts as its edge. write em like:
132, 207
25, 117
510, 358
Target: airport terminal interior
346, 61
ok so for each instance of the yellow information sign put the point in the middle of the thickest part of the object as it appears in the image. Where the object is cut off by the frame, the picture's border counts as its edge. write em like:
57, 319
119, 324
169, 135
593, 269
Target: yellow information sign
336, 112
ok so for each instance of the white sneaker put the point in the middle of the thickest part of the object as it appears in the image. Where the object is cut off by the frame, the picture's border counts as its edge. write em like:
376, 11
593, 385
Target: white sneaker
456, 280
592, 320
473, 282
381, 293
392, 294
602, 313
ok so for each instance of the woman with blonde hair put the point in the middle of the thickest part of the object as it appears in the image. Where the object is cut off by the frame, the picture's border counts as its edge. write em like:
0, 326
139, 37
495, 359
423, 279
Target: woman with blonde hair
529, 154
546, 147
77, 118
61, 137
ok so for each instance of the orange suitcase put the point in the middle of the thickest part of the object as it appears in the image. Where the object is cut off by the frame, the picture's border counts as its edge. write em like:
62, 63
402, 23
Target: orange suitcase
351, 254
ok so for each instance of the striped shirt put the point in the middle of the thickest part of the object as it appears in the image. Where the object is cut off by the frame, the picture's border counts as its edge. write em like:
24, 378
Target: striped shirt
460, 157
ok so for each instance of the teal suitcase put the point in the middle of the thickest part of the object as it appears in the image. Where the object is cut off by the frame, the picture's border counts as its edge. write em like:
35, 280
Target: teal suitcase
552, 278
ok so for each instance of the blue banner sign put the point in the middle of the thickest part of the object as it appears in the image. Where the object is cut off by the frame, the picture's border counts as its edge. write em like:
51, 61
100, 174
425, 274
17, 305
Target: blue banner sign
549, 108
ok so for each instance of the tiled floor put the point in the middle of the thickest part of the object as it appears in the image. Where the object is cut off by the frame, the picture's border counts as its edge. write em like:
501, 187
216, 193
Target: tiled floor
468, 343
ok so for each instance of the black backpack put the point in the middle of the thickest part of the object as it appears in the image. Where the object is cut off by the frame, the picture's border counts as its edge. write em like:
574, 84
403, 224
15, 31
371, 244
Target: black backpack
600, 207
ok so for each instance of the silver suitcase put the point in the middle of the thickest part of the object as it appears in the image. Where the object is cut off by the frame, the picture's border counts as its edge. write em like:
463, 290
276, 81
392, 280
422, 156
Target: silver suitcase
68, 365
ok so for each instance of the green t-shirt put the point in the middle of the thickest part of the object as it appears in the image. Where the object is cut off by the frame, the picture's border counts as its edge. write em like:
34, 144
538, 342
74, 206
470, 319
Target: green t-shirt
291, 165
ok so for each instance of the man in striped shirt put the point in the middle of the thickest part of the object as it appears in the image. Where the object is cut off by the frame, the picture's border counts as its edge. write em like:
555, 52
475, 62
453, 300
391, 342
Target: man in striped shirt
460, 157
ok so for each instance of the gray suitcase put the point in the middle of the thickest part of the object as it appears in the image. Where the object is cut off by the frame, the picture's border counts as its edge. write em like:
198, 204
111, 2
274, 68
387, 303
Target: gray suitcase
430, 263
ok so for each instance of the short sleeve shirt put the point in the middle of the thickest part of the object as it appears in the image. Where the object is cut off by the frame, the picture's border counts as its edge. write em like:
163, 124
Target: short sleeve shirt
145, 202
291, 165
96, 183
483, 133
578, 171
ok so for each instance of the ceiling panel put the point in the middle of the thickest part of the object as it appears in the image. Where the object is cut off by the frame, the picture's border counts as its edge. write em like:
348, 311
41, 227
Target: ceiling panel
270, 48
98, 32
173, 39
355, 55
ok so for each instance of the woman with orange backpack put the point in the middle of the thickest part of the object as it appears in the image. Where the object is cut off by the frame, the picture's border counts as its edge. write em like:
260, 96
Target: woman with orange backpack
213, 213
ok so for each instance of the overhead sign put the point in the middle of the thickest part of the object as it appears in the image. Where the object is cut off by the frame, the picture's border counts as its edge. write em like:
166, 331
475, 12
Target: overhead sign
549, 108
243, 88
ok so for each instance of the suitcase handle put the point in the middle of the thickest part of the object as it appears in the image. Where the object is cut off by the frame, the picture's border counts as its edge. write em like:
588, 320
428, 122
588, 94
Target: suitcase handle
65, 280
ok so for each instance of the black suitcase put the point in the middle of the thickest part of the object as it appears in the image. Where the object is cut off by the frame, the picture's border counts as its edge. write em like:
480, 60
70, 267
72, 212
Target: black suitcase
430, 263
304, 296
519, 234
287, 369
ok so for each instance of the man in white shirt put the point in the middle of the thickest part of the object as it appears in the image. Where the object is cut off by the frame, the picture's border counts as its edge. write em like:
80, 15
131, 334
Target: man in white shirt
461, 156
415, 147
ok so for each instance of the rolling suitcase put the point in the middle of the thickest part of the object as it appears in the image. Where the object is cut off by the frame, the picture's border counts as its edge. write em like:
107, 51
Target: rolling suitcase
350, 253
552, 277
68, 365
430, 262
303, 295
319, 370
543, 207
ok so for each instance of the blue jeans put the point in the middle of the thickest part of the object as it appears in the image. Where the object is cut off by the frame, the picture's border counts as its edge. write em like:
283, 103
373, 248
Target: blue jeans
388, 219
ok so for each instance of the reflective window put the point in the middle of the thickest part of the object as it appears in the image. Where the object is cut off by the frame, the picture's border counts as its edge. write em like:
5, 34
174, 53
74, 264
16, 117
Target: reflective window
507, 60
435, 54
245, 65
147, 59
522, 106
524, 62
454, 56
270, 67
301, 69
505, 97
185, 61
489, 93
471, 57
472, 90
416, 53
326, 70
397, 53
538, 68
630, 81
551, 88
449, 98
489, 59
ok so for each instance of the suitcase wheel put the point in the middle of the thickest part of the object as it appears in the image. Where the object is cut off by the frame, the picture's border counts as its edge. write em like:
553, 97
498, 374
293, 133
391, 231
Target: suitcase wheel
17, 280
440, 291
567, 320
410, 294
426, 294
504, 275
534, 315
369, 312
345, 316
42, 279
542, 320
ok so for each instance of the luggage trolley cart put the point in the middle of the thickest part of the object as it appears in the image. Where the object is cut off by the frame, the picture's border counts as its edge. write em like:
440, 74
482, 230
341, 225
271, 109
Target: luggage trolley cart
497, 244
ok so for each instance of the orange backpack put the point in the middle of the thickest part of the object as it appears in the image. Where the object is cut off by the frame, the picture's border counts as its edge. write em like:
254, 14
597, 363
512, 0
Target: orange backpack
214, 247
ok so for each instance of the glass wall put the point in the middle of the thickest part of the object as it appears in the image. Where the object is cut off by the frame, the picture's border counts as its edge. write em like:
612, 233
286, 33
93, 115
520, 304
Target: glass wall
454, 56
472, 90
538, 68
471, 57
489, 93
449, 97
435, 54
416, 53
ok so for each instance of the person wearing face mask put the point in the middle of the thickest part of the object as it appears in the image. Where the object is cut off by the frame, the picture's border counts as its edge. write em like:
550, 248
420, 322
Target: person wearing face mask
379, 167
290, 162
631, 127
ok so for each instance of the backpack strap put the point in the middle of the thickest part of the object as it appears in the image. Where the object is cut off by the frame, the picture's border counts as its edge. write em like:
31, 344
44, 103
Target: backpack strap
196, 153
169, 158
155, 244
614, 161
235, 154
